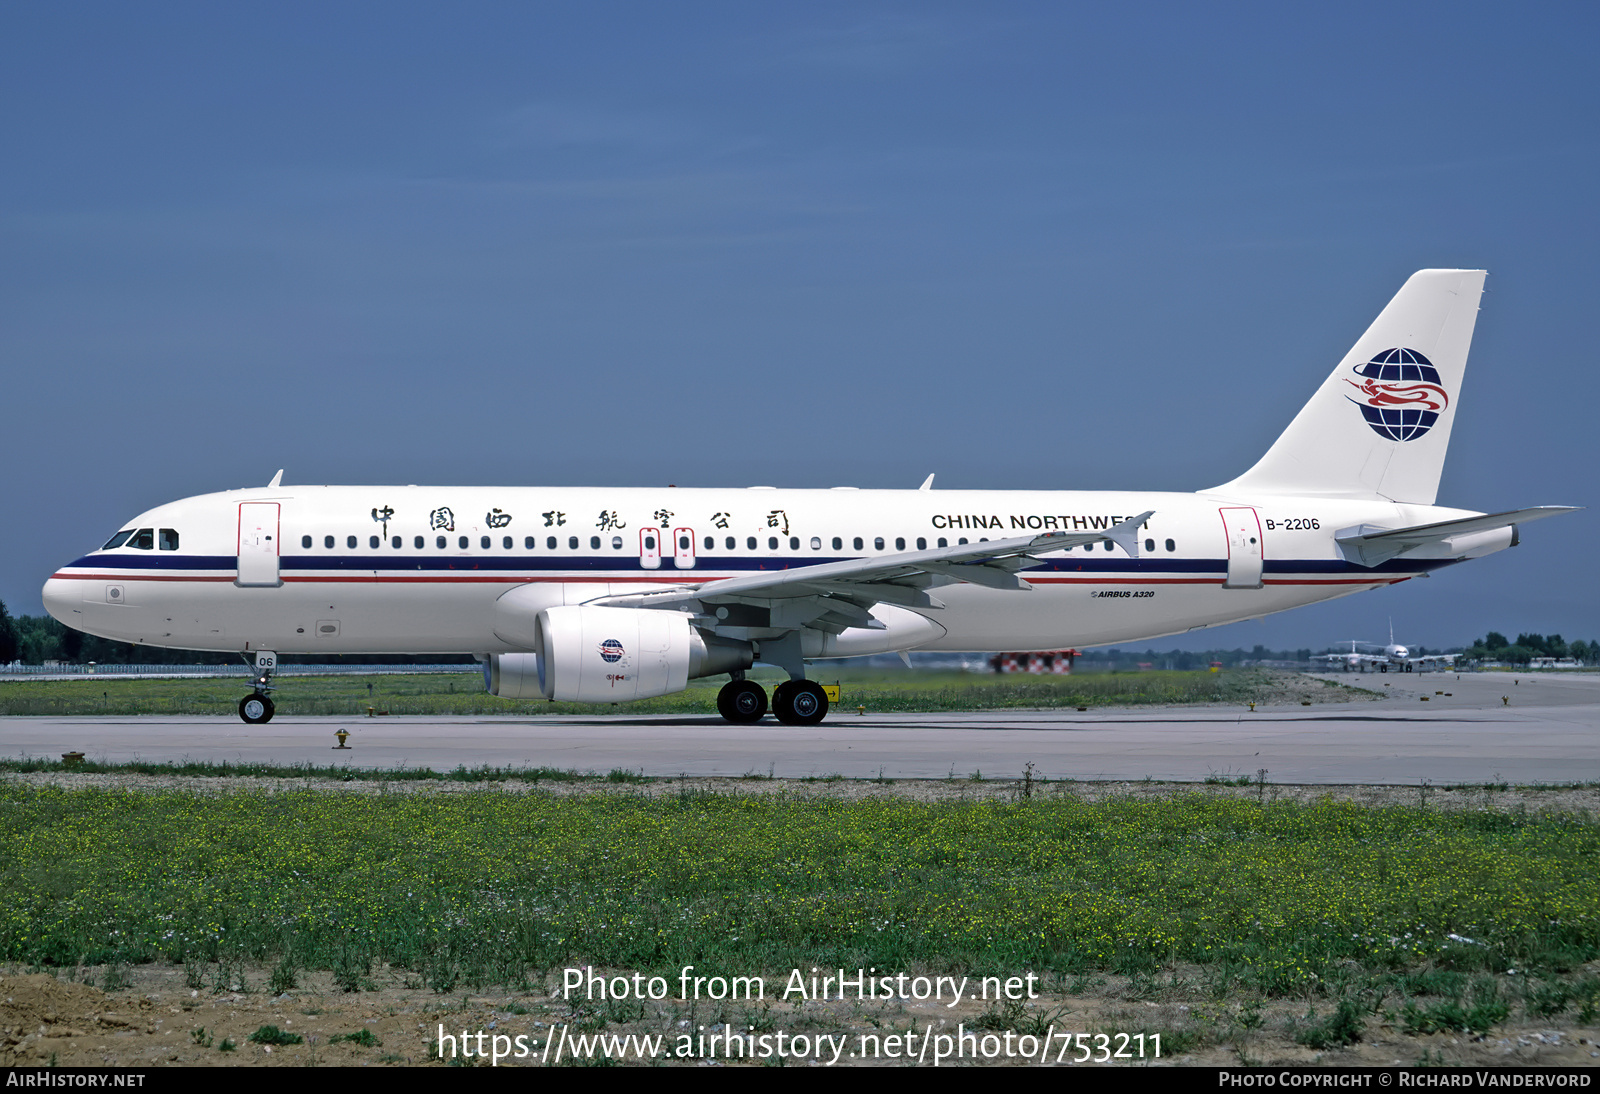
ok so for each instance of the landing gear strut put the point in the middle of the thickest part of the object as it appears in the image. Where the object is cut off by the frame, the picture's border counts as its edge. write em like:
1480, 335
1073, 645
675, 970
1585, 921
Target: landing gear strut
256, 708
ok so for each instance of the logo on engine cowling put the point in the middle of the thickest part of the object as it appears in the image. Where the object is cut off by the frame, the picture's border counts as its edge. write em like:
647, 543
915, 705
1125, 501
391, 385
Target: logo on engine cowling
611, 650
1400, 396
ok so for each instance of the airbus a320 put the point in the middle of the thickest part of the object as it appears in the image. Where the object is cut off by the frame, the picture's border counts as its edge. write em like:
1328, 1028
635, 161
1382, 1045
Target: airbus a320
608, 595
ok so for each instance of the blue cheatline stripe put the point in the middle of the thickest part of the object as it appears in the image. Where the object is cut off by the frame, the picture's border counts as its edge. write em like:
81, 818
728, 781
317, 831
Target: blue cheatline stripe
110, 561
627, 564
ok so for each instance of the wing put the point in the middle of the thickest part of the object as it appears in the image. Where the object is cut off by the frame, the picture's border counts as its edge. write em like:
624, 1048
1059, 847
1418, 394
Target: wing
833, 596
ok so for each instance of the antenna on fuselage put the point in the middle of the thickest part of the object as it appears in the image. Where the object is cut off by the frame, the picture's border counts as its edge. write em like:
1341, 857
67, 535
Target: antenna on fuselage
927, 483
277, 480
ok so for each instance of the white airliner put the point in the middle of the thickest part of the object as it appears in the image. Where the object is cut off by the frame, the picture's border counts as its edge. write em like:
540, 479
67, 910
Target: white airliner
602, 595
1384, 658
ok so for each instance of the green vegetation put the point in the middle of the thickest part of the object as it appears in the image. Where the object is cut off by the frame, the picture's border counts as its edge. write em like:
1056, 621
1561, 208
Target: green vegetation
452, 693
362, 1037
1330, 901
1343, 1027
272, 1035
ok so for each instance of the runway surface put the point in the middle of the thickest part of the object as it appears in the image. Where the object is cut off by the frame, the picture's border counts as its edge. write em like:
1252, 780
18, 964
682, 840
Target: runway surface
1546, 731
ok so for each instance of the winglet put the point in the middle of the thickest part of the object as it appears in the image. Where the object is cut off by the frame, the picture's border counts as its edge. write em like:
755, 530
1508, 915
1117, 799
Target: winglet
1126, 534
927, 483
277, 480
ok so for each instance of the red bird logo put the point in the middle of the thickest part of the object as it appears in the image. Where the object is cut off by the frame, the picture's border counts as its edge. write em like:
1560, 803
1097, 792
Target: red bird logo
1402, 394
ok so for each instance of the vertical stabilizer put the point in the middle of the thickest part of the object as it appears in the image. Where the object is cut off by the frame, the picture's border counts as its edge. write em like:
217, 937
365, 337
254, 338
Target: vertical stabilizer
1379, 425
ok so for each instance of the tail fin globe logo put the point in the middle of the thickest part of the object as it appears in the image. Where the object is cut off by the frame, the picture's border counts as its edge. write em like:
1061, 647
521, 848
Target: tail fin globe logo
1400, 396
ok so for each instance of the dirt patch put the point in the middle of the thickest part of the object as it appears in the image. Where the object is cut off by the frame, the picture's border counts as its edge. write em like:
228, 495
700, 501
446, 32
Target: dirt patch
1496, 797
159, 1021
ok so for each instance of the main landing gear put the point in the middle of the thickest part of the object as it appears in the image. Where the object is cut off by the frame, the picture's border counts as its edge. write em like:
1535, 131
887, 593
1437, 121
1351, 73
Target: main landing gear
794, 702
256, 708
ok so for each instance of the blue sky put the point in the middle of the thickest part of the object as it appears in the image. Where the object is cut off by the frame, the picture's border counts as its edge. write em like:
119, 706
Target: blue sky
1029, 245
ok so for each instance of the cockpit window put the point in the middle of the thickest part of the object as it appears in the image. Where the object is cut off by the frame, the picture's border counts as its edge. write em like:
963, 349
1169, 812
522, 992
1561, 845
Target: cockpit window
117, 540
169, 539
143, 540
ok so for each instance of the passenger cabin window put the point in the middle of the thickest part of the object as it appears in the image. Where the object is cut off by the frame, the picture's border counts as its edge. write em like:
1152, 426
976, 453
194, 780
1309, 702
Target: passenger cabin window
372, 542
794, 543
816, 543
772, 543
572, 543
305, 541
838, 544
943, 542
419, 542
484, 543
616, 543
117, 540
395, 542
440, 542
1149, 545
711, 543
750, 544
506, 543
922, 543
169, 539
732, 543
350, 542
649, 543
857, 542
878, 543
461, 542
550, 543
594, 543
327, 541
1171, 546
527, 543
900, 543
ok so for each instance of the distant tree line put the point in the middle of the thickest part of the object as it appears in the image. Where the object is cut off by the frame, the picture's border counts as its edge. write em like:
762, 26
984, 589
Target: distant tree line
1494, 647
33, 640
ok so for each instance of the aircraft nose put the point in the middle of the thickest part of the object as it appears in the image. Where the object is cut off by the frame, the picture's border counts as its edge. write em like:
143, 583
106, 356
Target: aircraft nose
60, 600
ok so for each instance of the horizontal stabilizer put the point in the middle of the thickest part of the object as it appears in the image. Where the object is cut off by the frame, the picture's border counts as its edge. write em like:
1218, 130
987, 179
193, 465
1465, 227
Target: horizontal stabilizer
1369, 546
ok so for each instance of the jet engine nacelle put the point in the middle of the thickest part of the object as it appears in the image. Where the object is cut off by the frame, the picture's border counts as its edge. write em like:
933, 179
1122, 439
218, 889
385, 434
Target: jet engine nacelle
589, 654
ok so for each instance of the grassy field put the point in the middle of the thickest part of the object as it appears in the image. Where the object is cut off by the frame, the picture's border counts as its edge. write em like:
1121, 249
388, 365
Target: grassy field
463, 693
1327, 901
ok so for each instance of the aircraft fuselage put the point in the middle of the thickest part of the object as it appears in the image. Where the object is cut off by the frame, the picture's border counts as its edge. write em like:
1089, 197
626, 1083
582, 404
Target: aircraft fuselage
414, 569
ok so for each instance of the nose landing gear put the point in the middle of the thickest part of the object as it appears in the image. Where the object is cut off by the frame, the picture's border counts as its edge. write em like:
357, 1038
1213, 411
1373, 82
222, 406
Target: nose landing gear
256, 708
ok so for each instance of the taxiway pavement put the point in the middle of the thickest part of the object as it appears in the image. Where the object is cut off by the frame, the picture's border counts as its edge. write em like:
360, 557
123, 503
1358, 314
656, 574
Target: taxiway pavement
1475, 728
